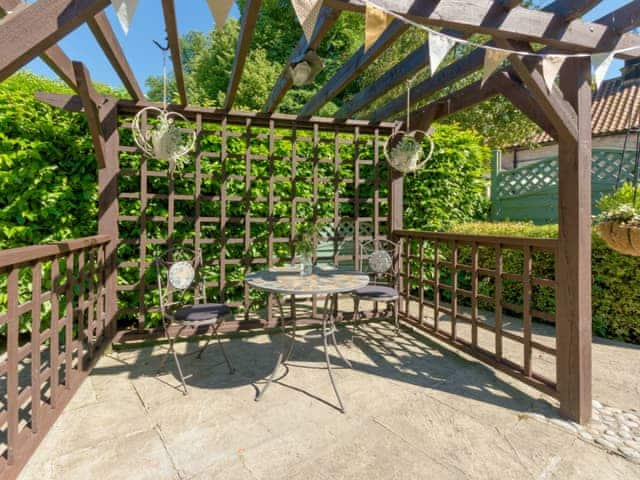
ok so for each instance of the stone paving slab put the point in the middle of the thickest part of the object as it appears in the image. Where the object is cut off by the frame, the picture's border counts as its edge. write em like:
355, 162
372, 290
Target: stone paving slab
415, 409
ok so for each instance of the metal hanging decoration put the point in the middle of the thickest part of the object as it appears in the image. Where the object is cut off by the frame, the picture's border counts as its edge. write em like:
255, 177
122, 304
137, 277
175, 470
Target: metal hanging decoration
163, 140
403, 149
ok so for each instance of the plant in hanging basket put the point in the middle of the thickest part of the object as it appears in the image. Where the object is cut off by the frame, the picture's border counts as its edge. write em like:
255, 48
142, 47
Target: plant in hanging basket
619, 222
405, 152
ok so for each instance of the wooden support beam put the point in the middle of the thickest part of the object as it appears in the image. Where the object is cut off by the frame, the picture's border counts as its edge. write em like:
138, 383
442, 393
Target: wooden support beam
102, 31
467, 65
573, 260
522, 99
354, 66
171, 25
571, 9
451, 73
29, 32
54, 57
558, 111
73, 103
108, 209
91, 102
519, 23
393, 77
509, 4
625, 18
457, 101
247, 27
326, 18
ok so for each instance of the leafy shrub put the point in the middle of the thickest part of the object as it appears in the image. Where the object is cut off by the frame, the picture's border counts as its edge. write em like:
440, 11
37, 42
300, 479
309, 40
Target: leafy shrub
450, 188
621, 206
615, 279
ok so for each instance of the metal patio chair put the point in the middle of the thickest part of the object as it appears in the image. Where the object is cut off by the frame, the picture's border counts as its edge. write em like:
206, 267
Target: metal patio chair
379, 259
183, 302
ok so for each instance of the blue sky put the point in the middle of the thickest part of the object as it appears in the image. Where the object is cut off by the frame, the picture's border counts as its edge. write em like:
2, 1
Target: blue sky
148, 25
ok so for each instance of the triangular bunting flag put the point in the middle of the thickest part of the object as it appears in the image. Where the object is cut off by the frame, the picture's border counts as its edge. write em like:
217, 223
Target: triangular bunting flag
220, 11
376, 21
601, 63
492, 60
551, 65
307, 12
125, 9
439, 46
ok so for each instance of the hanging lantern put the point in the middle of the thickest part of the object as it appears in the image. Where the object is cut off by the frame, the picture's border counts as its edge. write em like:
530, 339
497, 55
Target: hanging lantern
304, 69
163, 138
403, 149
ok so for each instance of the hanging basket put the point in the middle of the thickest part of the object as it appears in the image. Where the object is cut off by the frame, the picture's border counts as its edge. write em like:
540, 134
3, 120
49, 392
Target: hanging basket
405, 153
164, 139
621, 237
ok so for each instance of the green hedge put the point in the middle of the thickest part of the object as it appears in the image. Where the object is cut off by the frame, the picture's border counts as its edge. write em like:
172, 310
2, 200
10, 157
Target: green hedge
616, 279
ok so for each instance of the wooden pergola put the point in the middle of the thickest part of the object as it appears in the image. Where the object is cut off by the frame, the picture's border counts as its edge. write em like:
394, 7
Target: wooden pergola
29, 30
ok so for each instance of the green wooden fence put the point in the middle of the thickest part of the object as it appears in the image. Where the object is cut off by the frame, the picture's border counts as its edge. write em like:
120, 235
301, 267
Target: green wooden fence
530, 193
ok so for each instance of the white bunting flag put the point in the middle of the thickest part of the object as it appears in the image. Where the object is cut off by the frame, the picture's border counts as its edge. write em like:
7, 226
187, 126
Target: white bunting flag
125, 9
220, 11
492, 60
551, 65
376, 21
439, 46
601, 63
307, 12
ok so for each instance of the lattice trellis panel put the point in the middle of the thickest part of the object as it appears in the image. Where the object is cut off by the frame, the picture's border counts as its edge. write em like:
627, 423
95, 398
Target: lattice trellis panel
241, 200
544, 174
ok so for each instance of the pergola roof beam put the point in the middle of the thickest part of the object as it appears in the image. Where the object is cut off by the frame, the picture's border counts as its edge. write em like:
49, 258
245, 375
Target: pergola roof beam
102, 31
571, 9
419, 59
625, 18
247, 27
489, 17
326, 18
354, 66
89, 97
28, 32
171, 25
393, 77
463, 67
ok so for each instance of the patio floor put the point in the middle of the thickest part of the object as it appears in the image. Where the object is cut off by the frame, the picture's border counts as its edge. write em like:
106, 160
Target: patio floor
415, 409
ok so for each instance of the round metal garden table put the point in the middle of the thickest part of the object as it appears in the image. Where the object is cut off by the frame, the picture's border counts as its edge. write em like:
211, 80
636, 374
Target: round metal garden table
321, 282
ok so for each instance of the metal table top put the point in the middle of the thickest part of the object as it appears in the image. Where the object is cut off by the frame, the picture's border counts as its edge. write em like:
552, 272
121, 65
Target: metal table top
321, 282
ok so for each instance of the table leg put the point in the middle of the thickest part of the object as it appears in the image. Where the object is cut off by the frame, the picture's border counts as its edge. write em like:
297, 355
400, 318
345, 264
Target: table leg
282, 359
326, 318
334, 301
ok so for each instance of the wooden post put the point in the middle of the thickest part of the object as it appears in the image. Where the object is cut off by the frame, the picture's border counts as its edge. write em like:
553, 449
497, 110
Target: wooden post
108, 210
573, 328
496, 165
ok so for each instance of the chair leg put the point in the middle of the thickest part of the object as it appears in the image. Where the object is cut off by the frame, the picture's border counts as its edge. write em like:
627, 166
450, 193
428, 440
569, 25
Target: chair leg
224, 354
206, 344
175, 358
395, 316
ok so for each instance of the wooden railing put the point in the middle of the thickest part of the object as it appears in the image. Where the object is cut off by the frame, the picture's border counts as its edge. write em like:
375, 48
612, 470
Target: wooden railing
53, 316
457, 288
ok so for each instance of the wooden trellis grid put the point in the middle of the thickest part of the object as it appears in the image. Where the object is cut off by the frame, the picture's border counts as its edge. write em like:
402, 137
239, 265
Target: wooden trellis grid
261, 193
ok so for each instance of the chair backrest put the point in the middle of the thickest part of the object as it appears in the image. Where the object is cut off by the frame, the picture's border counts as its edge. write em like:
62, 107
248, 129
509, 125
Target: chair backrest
380, 258
178, 275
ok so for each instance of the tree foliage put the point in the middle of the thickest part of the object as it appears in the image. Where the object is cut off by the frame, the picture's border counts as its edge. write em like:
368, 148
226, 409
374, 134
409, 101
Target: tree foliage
450, 188
207, 59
